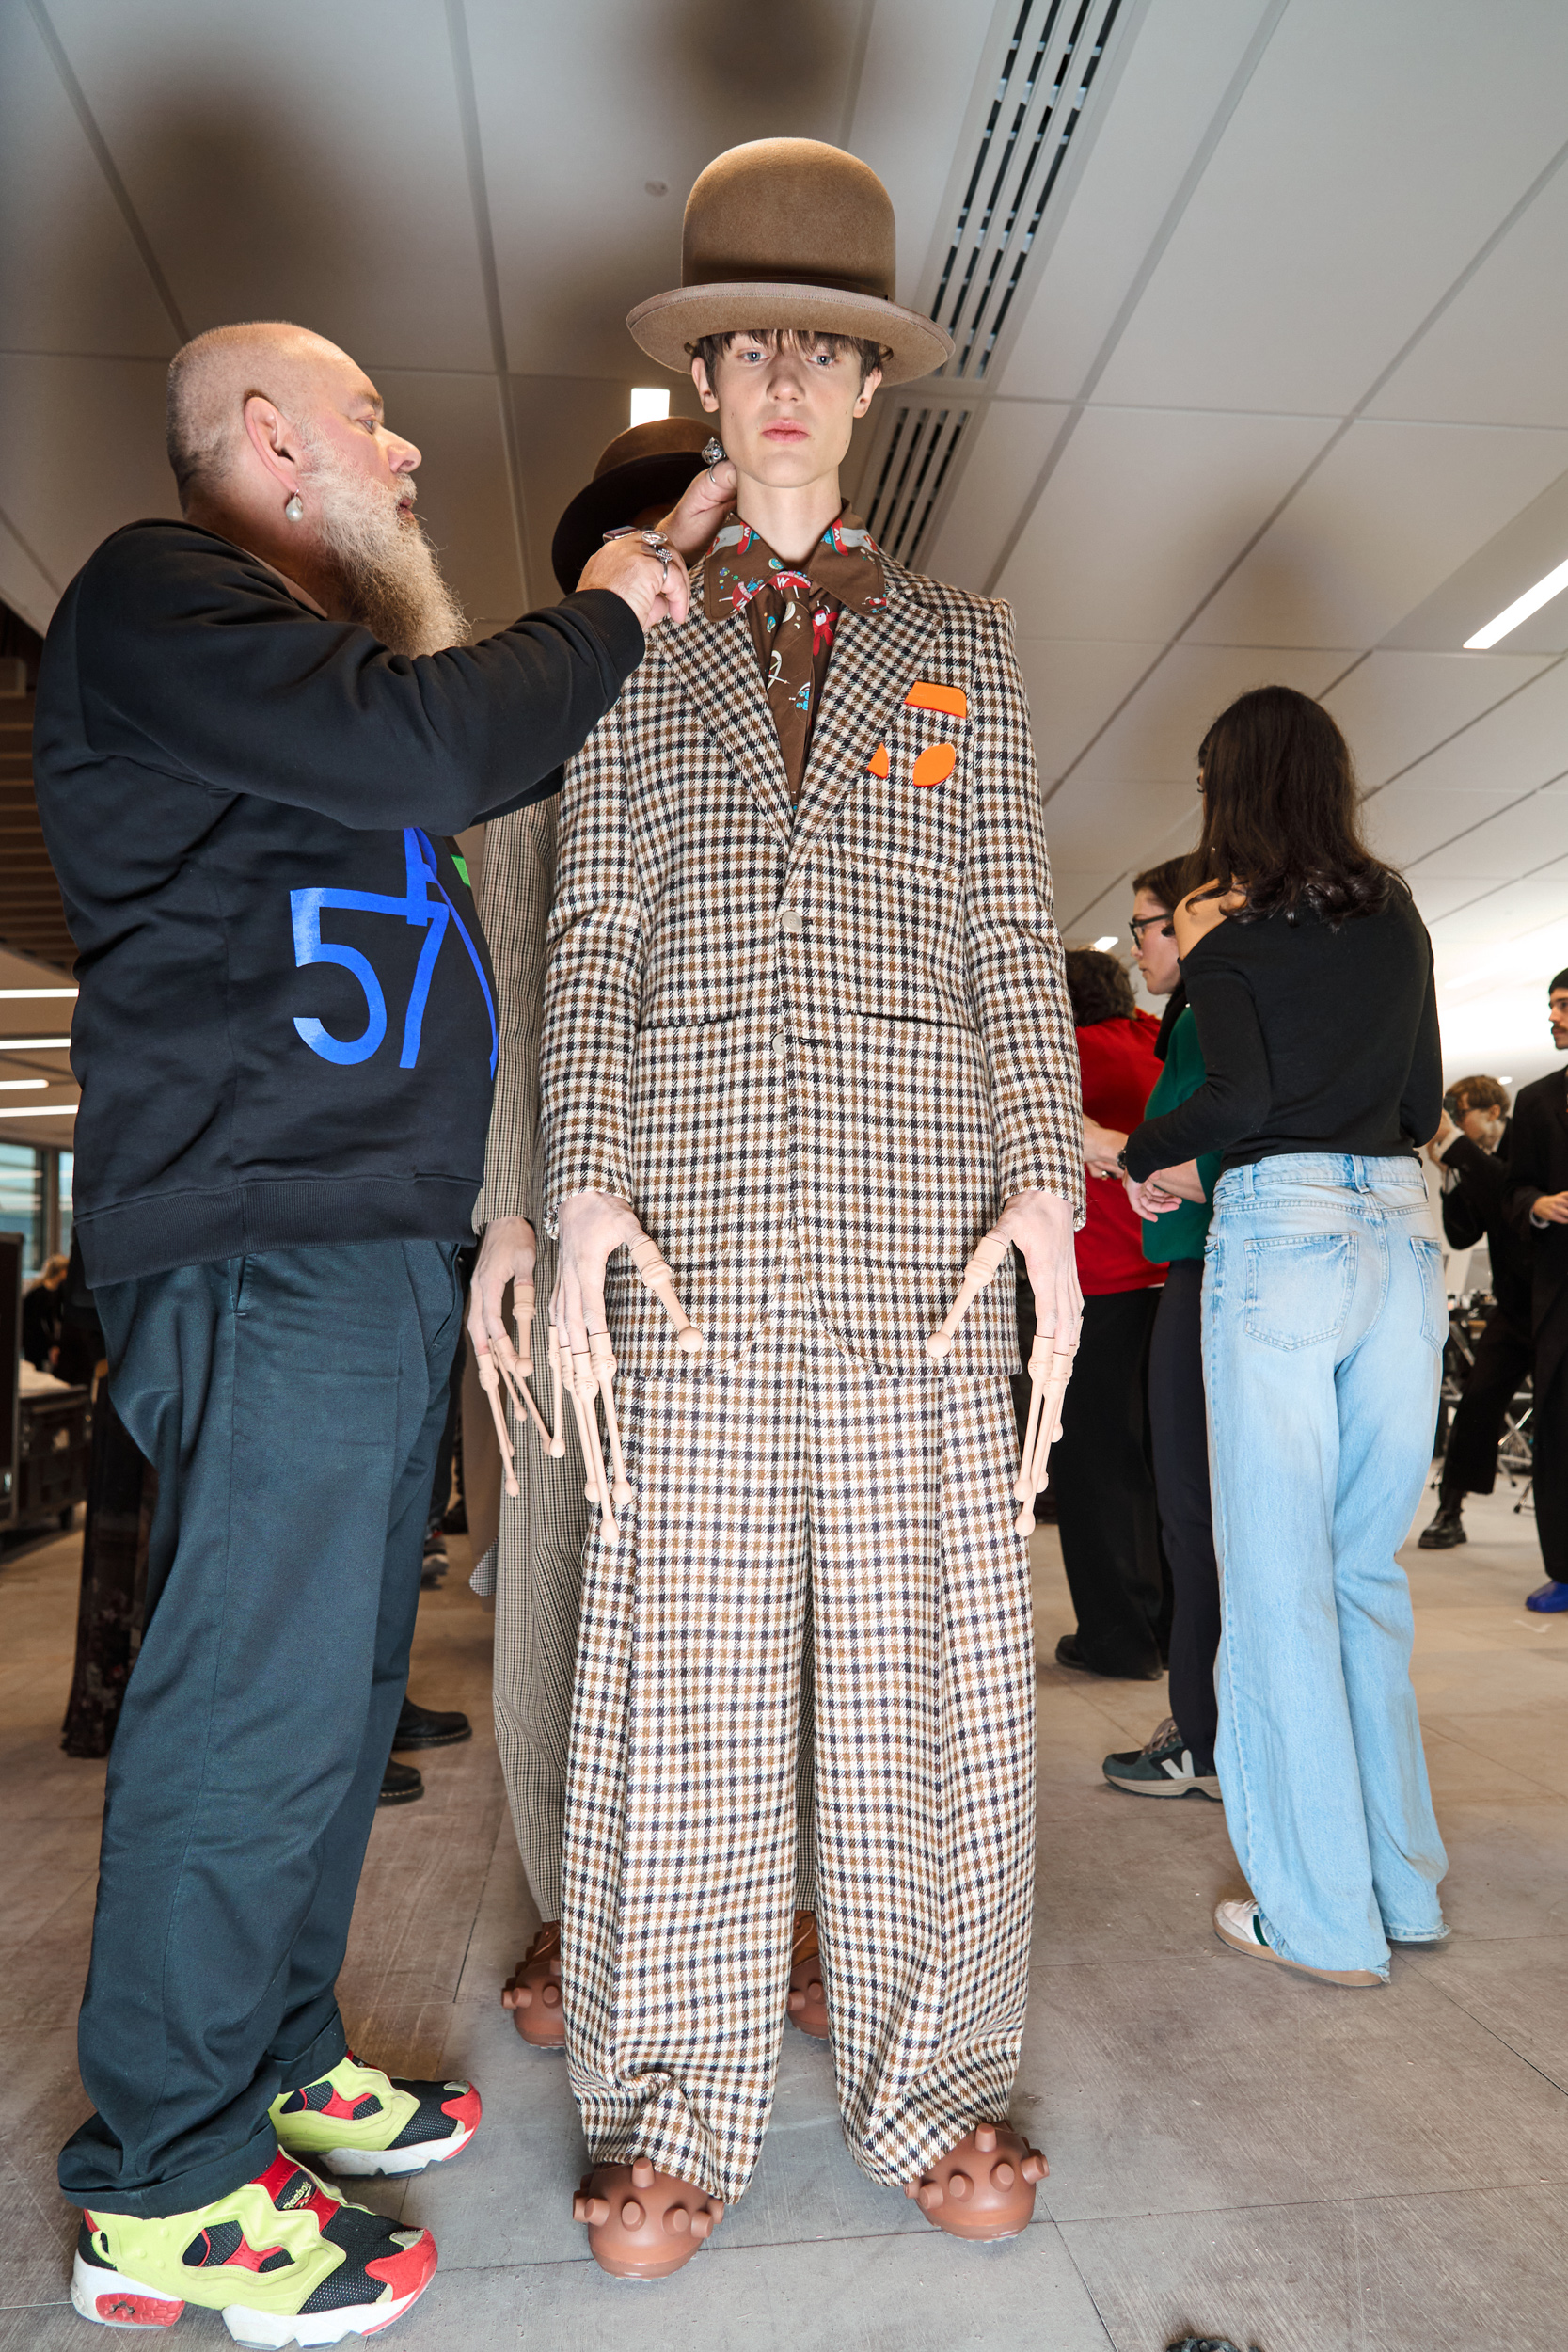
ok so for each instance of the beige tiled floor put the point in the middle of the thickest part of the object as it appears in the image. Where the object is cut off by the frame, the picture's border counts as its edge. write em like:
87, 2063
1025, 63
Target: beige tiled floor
1232, 2151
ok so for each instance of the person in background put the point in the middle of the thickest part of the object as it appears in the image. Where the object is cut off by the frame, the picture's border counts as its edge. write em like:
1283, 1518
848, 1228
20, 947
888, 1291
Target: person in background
1178, 1760
1538, 1163
42, 1303
1100, 1465
1480, 1203
1324, 1318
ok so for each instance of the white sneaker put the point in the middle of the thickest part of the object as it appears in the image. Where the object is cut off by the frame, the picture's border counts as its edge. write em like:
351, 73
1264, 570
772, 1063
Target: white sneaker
1240, 1924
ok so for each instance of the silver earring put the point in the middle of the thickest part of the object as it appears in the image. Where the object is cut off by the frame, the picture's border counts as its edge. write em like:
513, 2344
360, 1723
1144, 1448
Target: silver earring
295, 509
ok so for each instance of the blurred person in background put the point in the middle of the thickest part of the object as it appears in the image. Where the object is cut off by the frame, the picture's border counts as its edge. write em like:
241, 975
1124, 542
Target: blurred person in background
1310, 976
1538, 1163
1178, 1758
1101, 1464
1480, 1203
43, 1305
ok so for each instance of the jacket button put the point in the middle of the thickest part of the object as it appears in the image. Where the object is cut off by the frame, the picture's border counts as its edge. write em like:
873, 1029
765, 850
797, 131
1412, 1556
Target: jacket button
789, 920
781, 1044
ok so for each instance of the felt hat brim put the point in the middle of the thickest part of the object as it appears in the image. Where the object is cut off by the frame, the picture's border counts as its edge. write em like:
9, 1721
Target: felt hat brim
667, 323
614, 498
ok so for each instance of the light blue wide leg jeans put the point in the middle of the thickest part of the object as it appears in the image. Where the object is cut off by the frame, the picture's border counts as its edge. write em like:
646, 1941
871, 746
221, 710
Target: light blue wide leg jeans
1324, 1323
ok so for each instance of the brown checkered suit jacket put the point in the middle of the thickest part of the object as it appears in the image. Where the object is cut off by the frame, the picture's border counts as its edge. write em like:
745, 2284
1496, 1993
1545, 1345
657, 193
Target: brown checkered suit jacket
850, 1020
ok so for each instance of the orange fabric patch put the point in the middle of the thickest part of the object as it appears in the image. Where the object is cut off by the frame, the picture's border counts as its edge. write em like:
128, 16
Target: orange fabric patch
925, 694
935, 764
878, 763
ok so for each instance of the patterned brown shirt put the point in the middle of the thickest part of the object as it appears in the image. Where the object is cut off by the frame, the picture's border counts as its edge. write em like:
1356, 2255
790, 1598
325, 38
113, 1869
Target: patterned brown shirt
792, 612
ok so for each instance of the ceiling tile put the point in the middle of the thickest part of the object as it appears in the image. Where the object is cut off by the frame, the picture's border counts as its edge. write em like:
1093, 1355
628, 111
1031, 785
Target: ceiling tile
1395, 706
1073, 686
1406, 823
1115, 826
299, 162
1369, 536
1157, 735
71, 277
1499, 353
81, 452
1359, 174
1009, 442
1506, 847
1174, 77
1077, 894
1143, 513
1511, 749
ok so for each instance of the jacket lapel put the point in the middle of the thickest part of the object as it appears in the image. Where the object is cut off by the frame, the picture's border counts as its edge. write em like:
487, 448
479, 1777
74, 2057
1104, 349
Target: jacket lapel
876, 658
716, 666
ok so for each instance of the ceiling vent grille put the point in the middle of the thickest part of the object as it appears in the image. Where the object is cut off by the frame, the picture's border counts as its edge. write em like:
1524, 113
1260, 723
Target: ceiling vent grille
1027, 133
1024, 121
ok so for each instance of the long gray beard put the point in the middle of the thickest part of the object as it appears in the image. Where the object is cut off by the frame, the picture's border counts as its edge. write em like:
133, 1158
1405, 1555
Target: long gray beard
388, 576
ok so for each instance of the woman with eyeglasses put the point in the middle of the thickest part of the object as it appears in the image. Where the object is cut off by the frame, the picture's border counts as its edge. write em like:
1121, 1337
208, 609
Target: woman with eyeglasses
1309, 976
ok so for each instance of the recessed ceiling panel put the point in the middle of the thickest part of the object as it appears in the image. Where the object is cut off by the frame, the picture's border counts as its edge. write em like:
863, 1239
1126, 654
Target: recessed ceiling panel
299, 162
1008, 444
81, 452
1406, 823
1145, 510
1157, 735
1392, 509
71, 277
1512, 749
1362, 170
1117, 826
1073, 685
1499, 353
1394, 707
1506, 845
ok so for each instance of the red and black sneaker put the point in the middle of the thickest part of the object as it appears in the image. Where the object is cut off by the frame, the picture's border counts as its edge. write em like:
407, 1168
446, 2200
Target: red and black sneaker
357, 2120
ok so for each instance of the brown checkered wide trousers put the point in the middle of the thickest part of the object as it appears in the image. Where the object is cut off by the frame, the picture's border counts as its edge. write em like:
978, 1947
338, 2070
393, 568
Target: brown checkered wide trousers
794, 1480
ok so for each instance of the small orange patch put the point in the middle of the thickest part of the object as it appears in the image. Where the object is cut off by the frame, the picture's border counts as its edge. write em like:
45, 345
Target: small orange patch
878, 763
935, 764
925, 694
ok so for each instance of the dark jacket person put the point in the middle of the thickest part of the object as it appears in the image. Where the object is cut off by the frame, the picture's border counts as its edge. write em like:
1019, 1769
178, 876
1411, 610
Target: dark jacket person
257, 730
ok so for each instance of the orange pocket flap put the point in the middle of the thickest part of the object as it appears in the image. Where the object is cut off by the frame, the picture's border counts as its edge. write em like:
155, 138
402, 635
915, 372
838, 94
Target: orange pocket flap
935, 764
878, 763
925, 694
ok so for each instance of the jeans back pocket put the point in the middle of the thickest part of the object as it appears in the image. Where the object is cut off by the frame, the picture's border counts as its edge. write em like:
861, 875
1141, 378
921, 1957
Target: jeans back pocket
1434, 1298
1298, 1288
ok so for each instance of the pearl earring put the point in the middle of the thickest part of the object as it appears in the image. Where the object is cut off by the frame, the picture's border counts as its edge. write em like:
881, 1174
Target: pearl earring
295, 509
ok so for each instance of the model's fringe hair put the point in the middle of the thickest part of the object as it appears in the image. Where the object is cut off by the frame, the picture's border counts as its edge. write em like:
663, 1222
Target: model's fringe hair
710, 349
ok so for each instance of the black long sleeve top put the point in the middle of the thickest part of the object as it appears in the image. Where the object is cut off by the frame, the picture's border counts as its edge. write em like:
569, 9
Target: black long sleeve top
1314, 1039
285, 1026
1488, 1205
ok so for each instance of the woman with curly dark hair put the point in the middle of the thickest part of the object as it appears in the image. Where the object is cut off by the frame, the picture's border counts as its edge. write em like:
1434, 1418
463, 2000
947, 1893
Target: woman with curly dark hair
1310, 975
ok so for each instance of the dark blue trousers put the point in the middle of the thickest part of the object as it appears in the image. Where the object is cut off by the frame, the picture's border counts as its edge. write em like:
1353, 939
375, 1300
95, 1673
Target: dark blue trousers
291, 1404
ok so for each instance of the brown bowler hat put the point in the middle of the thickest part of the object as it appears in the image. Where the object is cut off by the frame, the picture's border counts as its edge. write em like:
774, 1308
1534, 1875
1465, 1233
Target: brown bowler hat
648, 465
789, 232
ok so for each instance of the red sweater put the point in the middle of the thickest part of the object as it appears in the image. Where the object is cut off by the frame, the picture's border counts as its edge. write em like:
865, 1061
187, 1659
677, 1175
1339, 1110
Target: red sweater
1120, 1071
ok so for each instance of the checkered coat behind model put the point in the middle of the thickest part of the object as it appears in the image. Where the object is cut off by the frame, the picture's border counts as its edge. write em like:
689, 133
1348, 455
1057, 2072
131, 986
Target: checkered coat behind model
817, 1049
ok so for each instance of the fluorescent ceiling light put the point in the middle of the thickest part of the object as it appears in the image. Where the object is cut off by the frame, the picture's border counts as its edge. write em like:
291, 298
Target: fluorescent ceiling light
15, 1086
11, 995
33, 1044
38, 1110
650, 404
1519, 610
1109, 941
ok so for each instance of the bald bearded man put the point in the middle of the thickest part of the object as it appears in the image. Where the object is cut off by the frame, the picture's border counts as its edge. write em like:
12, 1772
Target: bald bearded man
256, 731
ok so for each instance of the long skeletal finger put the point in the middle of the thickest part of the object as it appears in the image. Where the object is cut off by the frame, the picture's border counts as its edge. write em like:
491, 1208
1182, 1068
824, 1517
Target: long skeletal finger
1048, 1386
604, 1365
489, 1380
522, 1398
522, 1313
558, 1435
1023, 1488
582, 1382
651, 1266
981, 1269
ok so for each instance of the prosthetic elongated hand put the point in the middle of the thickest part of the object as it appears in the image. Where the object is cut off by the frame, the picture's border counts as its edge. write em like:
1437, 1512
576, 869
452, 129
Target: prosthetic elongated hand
1040, 1224
593, 1224
506, 1262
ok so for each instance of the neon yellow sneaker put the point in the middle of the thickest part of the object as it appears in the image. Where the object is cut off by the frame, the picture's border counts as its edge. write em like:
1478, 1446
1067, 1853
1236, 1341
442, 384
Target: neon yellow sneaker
357, 2120
283, 2259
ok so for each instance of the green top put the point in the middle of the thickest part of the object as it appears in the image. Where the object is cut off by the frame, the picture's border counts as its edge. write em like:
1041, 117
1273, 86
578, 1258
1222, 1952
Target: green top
1182, 1232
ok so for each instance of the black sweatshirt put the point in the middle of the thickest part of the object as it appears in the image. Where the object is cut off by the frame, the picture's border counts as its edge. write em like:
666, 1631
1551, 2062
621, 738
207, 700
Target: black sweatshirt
1314, 1039
286, 1030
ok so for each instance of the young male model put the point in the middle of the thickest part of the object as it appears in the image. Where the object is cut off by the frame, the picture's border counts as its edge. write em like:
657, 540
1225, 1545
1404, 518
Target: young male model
805, 1023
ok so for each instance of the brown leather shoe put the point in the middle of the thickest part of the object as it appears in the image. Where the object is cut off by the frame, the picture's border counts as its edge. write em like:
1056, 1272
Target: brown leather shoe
807, 2005
984, 2187
642, 2224
532, 1992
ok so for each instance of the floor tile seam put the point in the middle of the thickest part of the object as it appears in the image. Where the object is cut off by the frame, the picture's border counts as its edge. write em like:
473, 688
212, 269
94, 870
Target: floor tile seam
1285, 2204
1490, 2031
714, 2250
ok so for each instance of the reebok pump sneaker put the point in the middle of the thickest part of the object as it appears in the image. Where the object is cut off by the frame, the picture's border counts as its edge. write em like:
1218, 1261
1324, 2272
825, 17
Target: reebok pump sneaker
283, 2259
357, 2121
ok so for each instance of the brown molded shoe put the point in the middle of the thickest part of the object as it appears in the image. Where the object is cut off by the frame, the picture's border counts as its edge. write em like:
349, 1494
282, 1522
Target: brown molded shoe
807, 2005
641, 2223
984, 2187
532, 1992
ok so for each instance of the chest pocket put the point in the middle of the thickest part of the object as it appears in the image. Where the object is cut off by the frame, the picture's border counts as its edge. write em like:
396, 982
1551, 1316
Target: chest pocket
912, 803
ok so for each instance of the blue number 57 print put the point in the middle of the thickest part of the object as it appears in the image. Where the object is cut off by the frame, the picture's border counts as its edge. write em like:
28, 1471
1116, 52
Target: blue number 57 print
417, 907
